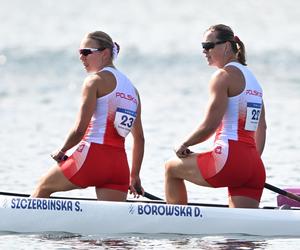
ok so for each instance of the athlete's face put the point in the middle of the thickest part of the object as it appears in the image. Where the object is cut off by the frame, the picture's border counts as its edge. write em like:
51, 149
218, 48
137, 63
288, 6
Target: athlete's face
89, 56
213, 49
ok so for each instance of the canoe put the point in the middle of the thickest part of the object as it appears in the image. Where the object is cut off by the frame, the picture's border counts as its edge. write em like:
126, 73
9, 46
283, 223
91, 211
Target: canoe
91, 217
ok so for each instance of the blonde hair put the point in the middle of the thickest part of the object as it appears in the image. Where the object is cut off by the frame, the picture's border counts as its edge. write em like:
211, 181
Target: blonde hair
103, 40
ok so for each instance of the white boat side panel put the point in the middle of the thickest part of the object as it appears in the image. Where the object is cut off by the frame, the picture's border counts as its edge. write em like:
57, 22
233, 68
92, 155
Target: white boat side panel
98, 217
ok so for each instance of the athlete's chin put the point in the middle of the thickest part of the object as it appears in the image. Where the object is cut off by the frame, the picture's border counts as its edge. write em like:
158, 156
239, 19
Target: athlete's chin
85, 66
211, 62
88, 69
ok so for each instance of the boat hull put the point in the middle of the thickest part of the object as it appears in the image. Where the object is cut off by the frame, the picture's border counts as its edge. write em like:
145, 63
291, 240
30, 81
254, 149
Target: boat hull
26, 215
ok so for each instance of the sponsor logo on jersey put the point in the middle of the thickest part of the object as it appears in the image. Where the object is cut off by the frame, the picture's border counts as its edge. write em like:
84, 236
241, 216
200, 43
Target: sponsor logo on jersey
126, 96
253, 92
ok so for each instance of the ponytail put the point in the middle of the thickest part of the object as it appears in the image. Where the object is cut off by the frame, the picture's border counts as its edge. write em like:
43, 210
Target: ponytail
240, 50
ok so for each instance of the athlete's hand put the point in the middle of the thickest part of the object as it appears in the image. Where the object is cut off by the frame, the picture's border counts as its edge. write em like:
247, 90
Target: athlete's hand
135, 187
182, 151
59, 156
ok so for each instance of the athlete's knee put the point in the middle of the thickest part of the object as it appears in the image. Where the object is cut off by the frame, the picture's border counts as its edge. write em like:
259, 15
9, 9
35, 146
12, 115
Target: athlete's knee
43, 186
170, 166
41, 191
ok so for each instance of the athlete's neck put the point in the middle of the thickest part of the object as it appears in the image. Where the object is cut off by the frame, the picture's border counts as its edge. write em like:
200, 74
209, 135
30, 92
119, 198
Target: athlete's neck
110, 66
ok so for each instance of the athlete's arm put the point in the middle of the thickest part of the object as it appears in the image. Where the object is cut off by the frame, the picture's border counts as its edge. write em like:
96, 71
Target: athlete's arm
137, 153
260, 134
86, 110
217, 104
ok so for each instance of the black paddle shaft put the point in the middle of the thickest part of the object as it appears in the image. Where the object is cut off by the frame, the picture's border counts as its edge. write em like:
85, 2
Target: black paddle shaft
282, 192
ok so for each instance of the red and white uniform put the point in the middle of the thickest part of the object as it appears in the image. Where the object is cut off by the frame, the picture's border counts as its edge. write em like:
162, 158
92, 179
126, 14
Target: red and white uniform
234, 162
121, 103
100, 159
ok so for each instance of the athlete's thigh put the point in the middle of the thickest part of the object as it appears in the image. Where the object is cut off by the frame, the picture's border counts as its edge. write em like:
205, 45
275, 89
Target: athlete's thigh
187, 169
55, 180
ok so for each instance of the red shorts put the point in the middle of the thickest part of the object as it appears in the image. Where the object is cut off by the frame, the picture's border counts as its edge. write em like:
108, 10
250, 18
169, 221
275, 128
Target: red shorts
98, 165
235, 165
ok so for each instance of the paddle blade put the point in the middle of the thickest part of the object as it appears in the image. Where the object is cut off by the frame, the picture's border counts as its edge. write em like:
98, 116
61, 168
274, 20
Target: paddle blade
288, 199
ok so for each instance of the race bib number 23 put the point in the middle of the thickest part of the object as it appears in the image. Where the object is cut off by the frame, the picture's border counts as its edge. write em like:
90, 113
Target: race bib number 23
253, 114
124, 120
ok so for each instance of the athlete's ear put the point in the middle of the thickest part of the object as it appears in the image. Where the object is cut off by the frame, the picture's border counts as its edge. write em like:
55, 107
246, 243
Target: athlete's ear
106, 53
227, 48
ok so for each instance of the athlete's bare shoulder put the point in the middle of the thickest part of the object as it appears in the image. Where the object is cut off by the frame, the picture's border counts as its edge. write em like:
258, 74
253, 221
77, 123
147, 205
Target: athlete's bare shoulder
93, 79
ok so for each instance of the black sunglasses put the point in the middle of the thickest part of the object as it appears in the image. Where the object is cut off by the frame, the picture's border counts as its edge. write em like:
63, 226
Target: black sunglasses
211, 45
87, 51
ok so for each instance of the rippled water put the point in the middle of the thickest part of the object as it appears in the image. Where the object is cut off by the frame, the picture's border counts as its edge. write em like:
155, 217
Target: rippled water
41, 77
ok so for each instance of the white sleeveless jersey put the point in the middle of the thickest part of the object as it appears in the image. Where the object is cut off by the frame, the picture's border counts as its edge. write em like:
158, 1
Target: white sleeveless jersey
115, 113
243, 111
